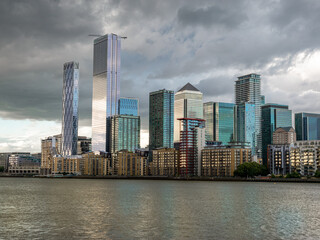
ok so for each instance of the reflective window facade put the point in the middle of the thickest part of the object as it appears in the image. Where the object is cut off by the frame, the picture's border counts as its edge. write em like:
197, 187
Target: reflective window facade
161, 113
273, 116
219, 121
128, 106
307, 126
70, 99
124, 133
106, 86
245, 125
188, 103
248, 89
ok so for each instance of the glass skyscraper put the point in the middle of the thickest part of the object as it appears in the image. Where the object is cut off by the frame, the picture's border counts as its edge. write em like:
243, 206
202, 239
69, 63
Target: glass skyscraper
161, 113
245, 124
307, 126
128, 106
187, 104
106, 86
273, 116
124, 133
248, 90
70, 99
219, 121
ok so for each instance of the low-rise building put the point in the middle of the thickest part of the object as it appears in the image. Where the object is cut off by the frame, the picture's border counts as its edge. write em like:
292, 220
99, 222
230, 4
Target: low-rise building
221, 161
130, 164
302, 157
24, 170
69, 165
165, 162
97, 164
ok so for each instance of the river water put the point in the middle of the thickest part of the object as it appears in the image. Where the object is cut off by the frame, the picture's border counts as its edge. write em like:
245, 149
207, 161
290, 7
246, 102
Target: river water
156, 209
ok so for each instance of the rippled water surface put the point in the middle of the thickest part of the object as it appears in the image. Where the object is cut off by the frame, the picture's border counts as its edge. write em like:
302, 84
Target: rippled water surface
147, 209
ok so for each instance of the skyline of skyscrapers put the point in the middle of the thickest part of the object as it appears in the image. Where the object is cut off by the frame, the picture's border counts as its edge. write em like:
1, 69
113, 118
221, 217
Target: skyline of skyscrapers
188, 103
70, 101
161, 119
248, 90
106, 86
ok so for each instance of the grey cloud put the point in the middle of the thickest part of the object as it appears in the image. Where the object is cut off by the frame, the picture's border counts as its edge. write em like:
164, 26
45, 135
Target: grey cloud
219, 14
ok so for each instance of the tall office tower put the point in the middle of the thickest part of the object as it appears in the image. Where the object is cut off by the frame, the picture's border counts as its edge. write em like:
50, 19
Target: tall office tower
128, 106
307, 126
248, 89
192, 141
161, 119
124, 133
219, 121
244, 124
106, 86
187, 104
273, 116
70, 98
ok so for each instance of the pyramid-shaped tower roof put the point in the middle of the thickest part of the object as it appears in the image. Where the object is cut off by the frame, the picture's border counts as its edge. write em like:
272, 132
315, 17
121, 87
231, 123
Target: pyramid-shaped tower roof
189, 87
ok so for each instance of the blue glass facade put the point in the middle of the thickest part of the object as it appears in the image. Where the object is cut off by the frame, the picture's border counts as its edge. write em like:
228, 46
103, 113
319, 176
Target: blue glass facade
273, 116
248, 90
161, 116
307, 126
245, 124
70, 99
128, 106
219, 121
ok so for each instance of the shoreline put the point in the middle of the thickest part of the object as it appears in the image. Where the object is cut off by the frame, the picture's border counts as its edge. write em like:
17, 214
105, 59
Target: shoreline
213, 179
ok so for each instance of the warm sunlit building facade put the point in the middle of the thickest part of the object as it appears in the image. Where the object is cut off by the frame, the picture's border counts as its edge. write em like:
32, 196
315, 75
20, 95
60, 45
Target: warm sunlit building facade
165, 162
221, 161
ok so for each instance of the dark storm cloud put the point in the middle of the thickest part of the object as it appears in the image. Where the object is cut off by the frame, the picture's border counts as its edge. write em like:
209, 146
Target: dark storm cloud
207, 43
37, 37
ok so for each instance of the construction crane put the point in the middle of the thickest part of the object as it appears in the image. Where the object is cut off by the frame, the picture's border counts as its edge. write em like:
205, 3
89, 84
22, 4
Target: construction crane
96, 35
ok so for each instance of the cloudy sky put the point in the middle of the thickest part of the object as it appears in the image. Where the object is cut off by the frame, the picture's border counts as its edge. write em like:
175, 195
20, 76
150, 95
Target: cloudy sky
207, 43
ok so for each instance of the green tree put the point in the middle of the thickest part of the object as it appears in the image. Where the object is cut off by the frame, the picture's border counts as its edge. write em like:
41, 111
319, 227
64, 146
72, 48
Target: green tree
293, 175
250, 169
1, 168
317, 174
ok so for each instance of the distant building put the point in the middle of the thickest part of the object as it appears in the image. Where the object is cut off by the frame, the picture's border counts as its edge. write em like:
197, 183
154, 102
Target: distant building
124, 133
307, 126
302, 157
128, 106
219, 121
70, 99
279, 159
248, 90
83, 145
284, 135
23, 160
4, 158
106, 86
263, 100
165, 162
161, 119
131, 164
187, 104
245, 123
70, 164
192, 141
273, 116
97, 164
221, 161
